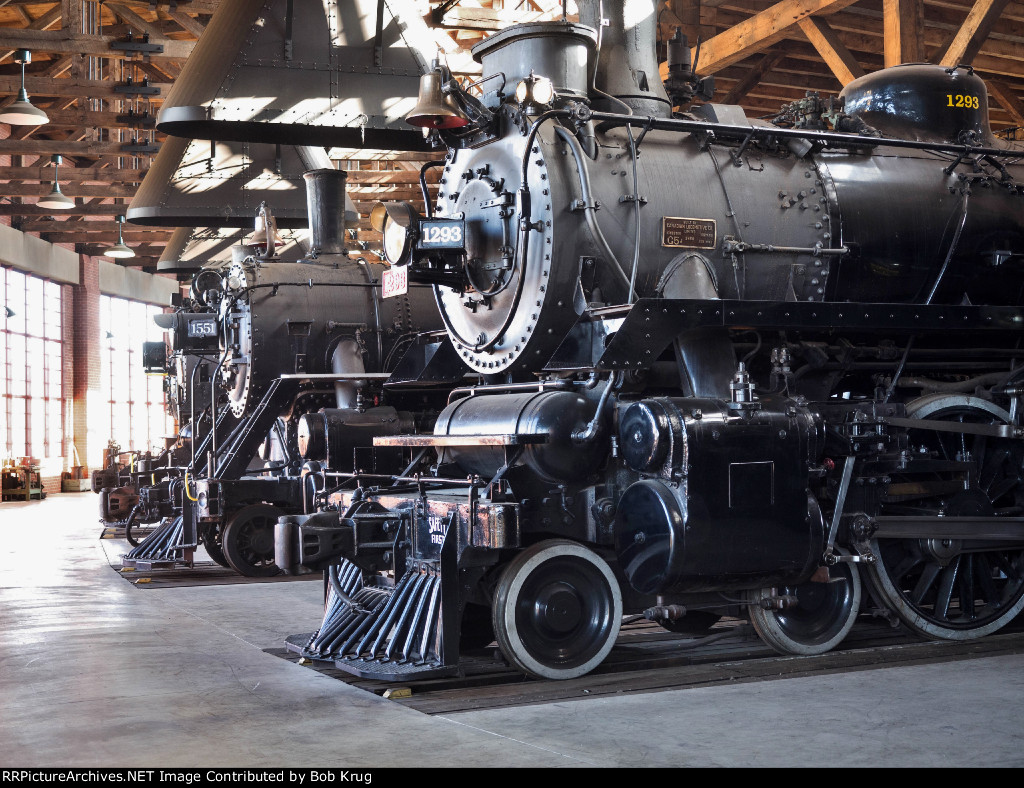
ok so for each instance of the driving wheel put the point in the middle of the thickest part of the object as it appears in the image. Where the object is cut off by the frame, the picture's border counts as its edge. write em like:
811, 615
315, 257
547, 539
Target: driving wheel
956, 589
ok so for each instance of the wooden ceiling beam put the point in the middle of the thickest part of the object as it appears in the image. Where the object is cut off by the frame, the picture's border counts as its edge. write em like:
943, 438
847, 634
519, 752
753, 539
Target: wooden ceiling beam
758, 32
124, 13
30, 209
104, 228
903, 31
77, 118
72, 174
70, 189
1009, 100
66, 43
76, 88
861, 30
753, 76
187, 23
833, 51
44, 147
975, 29
49, 18
71, 16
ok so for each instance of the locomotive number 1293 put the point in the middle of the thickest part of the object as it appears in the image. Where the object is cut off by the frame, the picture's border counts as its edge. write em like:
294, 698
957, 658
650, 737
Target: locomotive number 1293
957, 100
442, 234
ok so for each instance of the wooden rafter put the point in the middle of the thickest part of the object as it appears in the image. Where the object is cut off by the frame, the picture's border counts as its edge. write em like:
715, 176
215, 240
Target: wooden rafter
759, 32
1008, 98
903, 22
754, 76
974, 31
832, 50
64, 42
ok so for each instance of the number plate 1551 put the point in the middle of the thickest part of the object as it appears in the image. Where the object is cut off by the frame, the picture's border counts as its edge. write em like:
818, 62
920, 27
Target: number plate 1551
395, 281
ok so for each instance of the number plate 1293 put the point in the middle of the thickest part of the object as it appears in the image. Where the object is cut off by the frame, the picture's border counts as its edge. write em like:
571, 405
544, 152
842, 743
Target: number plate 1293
395, 281
442, 234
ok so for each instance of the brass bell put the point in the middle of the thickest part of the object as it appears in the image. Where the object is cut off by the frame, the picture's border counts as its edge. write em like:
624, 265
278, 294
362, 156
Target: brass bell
266, 235
433, 109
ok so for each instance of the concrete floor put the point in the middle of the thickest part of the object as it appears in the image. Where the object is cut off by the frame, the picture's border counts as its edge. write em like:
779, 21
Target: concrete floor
96, 672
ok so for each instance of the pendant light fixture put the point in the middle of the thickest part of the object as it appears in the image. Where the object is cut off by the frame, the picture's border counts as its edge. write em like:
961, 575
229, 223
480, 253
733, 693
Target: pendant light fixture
56, 199
119, 249
21, 112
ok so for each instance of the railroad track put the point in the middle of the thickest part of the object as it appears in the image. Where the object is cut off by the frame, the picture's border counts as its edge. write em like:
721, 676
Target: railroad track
646, 658
201, 574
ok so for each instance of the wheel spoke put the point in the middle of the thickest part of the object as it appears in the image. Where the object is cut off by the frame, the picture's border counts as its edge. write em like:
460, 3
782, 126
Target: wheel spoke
986, 584
905, 566
1003, 563
966, 584
945, 594
924, 583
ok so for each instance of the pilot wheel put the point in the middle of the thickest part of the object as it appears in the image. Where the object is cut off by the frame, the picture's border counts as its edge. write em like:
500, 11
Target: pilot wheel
248, 540
557, 610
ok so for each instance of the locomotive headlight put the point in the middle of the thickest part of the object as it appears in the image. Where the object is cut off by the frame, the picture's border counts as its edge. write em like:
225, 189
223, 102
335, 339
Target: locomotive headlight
397, 222
535, 90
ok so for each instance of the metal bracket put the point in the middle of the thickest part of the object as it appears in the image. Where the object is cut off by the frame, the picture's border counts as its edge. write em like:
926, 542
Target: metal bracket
130, 88
289, 19
143, 47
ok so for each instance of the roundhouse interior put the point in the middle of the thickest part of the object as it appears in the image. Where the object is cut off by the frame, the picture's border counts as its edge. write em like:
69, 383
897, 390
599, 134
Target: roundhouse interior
257, 513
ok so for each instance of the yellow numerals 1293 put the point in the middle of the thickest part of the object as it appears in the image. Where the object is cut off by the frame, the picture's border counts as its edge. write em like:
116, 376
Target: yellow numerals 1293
970, 102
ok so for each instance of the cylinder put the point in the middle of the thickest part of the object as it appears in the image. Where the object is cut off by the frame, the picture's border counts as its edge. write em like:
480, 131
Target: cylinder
342, 437
550, 417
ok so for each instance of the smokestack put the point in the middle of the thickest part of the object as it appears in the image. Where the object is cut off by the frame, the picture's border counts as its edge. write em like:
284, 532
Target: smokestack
627, 66
325, 204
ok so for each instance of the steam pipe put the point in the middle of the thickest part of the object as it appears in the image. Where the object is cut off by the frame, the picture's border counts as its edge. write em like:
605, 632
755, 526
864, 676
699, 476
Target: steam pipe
588, 201
829, 138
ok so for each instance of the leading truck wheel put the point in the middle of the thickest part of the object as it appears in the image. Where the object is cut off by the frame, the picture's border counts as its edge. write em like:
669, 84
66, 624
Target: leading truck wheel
214, 547
957, 589
821, 619
248, 540
557, 610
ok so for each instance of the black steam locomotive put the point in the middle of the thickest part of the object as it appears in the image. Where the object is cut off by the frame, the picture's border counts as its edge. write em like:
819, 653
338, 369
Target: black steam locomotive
134, 486
733, 367
300, 348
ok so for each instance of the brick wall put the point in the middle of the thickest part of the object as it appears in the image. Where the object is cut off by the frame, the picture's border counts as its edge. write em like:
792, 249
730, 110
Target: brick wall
85, 378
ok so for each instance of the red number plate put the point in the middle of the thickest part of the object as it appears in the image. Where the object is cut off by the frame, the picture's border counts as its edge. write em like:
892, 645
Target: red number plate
395, 281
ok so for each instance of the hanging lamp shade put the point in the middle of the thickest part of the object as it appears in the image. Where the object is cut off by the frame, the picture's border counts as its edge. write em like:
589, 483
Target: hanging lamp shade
21, 112
336, 73
119, 250
56, 199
